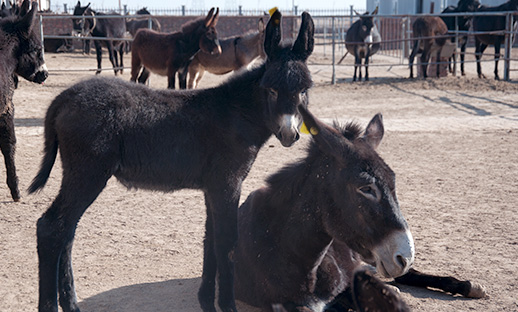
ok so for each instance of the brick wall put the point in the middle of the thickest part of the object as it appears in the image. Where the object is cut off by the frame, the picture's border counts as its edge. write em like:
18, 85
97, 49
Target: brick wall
227, 25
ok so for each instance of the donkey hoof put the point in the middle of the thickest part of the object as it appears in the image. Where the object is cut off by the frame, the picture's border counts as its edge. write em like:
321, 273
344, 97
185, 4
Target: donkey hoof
477, 291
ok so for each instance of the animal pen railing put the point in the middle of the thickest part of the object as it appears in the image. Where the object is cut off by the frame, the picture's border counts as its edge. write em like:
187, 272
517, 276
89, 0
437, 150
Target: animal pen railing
330, 32
397, 40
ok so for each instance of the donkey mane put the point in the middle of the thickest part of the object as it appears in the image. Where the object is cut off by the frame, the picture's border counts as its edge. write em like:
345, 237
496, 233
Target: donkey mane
191, 26
288, 178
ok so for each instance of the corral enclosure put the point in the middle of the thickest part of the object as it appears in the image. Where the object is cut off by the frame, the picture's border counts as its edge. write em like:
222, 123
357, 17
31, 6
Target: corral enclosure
452, 142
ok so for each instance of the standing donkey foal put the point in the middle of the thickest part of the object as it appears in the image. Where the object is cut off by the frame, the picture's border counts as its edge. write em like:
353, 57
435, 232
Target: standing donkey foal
167, 140
20, 55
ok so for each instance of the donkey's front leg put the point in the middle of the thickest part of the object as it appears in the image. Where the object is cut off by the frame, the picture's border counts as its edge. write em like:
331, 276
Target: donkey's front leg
224, 204
7, 145
112, 56
171, 73
207, 291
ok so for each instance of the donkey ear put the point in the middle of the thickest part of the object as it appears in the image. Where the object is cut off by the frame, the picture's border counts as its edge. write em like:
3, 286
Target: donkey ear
374, 132
260, 25
303, 46
25, 24
328, 139
25, 7
209, 17
215, 18
273, 35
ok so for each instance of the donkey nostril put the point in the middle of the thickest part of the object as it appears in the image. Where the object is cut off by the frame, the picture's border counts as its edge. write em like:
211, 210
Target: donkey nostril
401, 261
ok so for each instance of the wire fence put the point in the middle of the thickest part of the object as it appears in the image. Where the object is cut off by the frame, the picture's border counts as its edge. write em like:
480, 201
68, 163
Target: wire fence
395, 30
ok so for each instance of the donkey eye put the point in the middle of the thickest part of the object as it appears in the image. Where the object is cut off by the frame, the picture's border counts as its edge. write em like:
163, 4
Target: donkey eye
370, 191
272, 92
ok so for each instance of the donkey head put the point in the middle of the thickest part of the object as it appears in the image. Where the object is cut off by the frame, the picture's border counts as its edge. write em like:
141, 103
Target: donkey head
286, 79
366, 25
28, 53
209, 42
468, 5
364, 212
82, 26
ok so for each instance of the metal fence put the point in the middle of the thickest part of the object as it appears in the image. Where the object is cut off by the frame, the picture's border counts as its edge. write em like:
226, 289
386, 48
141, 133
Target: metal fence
395, 30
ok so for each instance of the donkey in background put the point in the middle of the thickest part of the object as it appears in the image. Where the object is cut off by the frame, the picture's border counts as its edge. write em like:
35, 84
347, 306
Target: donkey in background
167, 140
97, 26
362, 41
164, 54
463, 23
430, 34
20, 55
136, 23
491, 23
236, 53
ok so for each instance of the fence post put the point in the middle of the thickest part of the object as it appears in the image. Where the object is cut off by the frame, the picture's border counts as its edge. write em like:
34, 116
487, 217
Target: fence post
65, 8
456, 46
333, 77
183, 10
240, 10
507, 46
41, 35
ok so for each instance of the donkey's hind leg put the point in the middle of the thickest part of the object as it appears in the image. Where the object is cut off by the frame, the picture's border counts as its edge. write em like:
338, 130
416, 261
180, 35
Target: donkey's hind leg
7, 145
99, 53
55, 234
445, 283
112, 55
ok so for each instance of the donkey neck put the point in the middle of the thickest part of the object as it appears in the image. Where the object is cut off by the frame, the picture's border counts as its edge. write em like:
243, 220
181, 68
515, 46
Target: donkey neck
240, 102
298, 202
191, 39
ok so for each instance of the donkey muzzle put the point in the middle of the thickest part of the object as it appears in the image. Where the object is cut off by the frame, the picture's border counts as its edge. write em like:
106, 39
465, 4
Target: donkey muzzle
288, 132
395, 255
40, 75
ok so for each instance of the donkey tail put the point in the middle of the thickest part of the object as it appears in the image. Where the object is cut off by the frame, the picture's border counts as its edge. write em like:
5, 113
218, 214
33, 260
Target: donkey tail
50, 150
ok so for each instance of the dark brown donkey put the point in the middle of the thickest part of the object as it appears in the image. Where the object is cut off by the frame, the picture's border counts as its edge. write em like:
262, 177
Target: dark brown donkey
167, 140
303, 236
430, 34
489, 23
20, 55
164, 54
236, 53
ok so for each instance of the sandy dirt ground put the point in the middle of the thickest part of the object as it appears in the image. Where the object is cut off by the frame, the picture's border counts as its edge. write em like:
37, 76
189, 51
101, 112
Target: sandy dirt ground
453, 143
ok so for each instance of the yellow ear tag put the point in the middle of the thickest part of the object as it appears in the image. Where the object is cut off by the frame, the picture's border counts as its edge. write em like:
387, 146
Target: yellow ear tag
313, 131
304, 129
272, 10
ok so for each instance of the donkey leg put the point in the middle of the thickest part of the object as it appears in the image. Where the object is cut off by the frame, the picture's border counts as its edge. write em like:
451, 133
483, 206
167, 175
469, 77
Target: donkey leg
462, 55
66, 287
198, 76
425, 58
55, 233
112, 57
497, 58
136, 65
99, 53
412, 57
445, 283
438, 65
224, 212
171, 77
7, 145
121, 55
479, 51
367, 67
144, 75
207, 291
